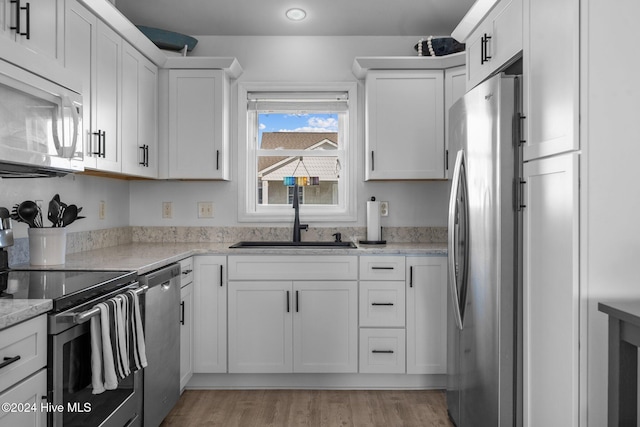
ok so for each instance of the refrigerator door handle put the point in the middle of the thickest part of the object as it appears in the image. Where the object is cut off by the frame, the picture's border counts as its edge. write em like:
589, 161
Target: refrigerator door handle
457, 184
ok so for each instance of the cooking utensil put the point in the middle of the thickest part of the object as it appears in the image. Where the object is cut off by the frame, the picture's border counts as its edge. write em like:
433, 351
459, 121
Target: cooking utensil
69, 215
28, 212
55, 213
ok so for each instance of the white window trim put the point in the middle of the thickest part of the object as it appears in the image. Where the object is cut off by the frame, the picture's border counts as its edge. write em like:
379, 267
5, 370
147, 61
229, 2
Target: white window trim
247, 172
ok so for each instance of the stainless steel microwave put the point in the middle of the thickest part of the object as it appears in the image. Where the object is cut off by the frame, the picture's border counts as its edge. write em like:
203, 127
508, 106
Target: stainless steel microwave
40, 125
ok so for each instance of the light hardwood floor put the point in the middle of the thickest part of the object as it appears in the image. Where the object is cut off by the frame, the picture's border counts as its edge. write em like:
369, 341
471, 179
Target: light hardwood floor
326, 408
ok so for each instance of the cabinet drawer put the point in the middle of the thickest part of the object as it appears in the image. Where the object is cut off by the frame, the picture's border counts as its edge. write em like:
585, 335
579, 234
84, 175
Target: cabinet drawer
29, 393
28, 341
186, 271
382, 268
382, 351
382, 304
282, 267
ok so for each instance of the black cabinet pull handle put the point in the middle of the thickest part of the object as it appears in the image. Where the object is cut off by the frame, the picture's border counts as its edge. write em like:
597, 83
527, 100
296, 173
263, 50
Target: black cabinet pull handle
98, 134
288, 308
382, 351
144, 155
27, 9
411, 277
373, 163
187, 272
8, 361
484, 57
221, 276
146, 159
18, 8
104, 144
297, 302
217, 159
182, 313
382, 268
381, 303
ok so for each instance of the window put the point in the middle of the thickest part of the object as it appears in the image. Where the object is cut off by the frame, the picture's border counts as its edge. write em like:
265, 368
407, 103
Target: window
301, 132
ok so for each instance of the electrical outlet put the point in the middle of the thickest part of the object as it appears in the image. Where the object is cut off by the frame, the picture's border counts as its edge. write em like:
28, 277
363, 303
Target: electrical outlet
384, 208
167, 209
205, 209
102, 209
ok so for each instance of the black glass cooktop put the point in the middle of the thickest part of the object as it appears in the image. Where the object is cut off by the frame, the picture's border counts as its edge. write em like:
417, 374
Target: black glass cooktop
65, 288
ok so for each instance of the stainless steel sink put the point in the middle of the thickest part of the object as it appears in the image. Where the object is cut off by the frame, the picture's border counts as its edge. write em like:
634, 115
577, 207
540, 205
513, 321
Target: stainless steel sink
296, 245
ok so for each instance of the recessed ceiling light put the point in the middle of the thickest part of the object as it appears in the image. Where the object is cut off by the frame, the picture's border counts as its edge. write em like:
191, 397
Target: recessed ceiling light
296, 14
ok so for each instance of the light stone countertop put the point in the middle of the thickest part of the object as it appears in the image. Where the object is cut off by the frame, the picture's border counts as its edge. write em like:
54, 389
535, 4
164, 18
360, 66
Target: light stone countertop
15, 311
145, 257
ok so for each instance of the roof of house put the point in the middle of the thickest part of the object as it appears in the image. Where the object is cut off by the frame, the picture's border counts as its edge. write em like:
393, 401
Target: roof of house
292, 141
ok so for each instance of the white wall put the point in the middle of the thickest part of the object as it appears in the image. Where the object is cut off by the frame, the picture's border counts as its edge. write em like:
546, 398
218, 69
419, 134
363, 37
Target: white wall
610, 232
81, 190
292, 59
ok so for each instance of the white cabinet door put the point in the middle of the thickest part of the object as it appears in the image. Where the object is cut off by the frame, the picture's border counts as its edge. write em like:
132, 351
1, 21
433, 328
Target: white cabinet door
105, 135
210, 314
30, 393
495, 42
325, 327
404, 124
551, 77
186, 334
455, 86
551, 297
426, 315
80, 57
260, 327
198, 124
139, 114
37, 26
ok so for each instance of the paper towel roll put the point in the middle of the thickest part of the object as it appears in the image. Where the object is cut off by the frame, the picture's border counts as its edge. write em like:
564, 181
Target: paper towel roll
373, 221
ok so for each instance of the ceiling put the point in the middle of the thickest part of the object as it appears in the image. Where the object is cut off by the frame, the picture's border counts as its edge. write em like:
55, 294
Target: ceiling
324, 18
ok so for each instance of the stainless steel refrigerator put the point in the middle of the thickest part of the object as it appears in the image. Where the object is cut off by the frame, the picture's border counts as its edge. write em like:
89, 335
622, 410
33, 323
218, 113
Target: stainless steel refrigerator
484, 247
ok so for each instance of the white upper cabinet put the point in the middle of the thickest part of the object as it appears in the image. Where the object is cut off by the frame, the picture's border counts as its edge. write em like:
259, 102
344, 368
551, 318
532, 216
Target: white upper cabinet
494, 42
38, 25
455, 87
198, 124
404, 124
551, 77
139, 114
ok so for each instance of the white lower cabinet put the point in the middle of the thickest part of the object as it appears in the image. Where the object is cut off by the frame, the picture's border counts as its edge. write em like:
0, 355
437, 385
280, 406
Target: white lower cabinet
30, 393
186, 334
285, 326
426, 315
210, 314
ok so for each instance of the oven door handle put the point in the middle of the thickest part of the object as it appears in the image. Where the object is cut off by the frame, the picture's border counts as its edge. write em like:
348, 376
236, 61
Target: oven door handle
79, 318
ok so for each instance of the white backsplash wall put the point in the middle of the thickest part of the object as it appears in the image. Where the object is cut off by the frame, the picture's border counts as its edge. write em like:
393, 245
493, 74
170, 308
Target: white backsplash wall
81, 190
292, 59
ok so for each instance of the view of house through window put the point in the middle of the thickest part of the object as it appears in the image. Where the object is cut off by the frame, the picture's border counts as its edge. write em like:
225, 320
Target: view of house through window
298, 145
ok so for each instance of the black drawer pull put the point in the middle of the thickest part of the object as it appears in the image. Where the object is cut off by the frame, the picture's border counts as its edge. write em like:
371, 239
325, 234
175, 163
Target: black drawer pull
8, 361
182, 313
382, 351
381, 303
288, 308
185, 272
382, 268
221, 276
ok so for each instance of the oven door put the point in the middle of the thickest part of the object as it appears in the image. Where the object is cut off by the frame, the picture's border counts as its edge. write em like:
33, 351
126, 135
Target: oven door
69, 385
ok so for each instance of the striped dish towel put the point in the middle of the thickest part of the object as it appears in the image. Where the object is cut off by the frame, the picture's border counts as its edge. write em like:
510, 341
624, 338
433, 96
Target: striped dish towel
117, 341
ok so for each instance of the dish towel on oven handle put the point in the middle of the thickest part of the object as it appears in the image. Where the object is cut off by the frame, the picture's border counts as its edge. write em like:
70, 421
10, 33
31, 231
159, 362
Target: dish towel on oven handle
117, 341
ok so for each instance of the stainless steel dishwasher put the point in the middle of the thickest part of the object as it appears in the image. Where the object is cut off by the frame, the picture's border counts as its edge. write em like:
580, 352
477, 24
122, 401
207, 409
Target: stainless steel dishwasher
162, 339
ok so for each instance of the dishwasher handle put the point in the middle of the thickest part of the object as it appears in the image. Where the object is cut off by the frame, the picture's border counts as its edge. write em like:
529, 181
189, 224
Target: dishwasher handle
160, 276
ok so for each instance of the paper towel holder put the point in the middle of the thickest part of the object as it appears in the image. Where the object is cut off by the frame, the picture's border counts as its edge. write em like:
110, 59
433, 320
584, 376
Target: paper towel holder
373, 242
